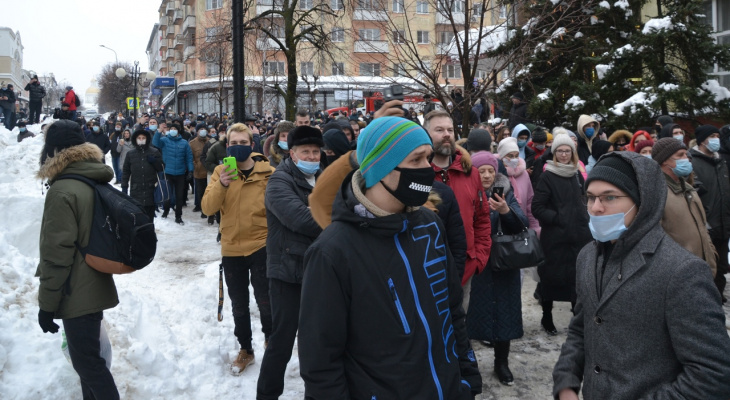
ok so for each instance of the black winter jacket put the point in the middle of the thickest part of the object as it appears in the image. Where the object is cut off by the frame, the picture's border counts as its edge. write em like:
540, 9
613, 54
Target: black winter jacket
36, 92
142, 173
451, 218
292, 228
381, 314
517, 115
10, 102
583, 152
714, 191
114, 141
100, 139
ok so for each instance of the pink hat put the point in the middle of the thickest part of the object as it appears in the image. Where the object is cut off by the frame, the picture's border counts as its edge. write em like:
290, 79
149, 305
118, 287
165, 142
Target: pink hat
484, 158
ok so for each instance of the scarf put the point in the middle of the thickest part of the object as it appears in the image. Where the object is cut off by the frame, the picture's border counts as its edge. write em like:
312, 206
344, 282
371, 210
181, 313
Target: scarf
560, 169
513, 174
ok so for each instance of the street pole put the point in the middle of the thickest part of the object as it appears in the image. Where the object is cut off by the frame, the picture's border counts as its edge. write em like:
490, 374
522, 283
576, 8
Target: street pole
116, 59
135, 77
239, 87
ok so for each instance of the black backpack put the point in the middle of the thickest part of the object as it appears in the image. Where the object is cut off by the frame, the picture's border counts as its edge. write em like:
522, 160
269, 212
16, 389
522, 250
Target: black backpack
76, 100
122, 237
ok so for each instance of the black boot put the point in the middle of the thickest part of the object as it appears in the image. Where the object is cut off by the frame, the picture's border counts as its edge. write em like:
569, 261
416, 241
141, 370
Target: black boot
547, 318
501, 363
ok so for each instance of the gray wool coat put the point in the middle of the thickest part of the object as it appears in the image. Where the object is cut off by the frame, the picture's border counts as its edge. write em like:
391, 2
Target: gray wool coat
651, 326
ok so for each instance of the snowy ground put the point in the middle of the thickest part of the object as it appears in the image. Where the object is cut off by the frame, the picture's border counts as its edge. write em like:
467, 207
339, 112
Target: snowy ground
166, 339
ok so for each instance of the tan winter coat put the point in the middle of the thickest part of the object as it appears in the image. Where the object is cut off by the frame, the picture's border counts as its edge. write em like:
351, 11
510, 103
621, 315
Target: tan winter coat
684, 221
196, 145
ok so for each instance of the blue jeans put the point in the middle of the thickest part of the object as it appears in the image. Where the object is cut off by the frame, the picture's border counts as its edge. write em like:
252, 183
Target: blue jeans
117, 168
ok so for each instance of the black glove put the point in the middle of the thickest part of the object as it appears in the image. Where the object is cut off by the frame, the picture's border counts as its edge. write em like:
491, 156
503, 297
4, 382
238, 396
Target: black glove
125, 190
189, 176
45, 320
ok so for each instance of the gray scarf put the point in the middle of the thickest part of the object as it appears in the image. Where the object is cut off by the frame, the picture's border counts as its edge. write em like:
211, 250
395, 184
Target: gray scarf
560, 169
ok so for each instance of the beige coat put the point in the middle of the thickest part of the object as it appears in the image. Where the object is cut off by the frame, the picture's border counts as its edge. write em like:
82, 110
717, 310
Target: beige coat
684, 221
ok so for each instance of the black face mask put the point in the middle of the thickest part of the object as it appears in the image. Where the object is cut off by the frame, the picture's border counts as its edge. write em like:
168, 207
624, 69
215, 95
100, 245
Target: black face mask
331, 159
414, 185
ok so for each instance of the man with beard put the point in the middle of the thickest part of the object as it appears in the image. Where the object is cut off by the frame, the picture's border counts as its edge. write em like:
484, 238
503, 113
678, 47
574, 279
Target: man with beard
454, 168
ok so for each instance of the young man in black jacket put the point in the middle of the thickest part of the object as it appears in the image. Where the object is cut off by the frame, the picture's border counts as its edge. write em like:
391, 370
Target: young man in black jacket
381, 313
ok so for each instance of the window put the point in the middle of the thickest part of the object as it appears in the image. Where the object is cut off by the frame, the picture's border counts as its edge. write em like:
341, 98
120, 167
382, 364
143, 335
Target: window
337, 4
338, 68
457, 6
369, 69
306, 68
211, 69
213, 4
213, 34
338, 35
274, 68
502, 12
452, 71
723, 15
398, 6
369, 34
399, 70
422, 7
482, 75
305, 4
422, 37
309, 36
366, 5
446, 37
399, 37
476, 10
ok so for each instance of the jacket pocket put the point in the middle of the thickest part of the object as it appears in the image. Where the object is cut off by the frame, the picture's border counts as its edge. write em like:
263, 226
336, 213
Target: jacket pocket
398, 305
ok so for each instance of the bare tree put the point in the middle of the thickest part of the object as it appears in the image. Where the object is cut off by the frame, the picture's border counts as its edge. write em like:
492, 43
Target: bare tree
112, 90
215, 49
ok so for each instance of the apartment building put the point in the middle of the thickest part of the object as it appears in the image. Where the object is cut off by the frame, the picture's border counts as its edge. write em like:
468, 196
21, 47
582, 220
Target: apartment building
373, 44
11, 63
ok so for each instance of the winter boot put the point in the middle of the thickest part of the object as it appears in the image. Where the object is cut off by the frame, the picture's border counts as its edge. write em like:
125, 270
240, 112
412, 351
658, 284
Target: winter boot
196, 209
547, 318
501, 363
211, 220
179, 221
244, 359
203, 215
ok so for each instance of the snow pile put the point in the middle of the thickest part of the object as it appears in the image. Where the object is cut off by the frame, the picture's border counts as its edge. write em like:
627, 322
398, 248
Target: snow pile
720, 92
661, 24
634, 103
668, 87
558, 33
574, 102
503, 86
621, 50
578, 35
545, 95
624, 5
601, 70
167, 342
604, 4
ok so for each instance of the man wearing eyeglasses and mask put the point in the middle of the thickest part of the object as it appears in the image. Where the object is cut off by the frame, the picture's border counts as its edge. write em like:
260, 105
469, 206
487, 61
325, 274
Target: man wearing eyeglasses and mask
648, 321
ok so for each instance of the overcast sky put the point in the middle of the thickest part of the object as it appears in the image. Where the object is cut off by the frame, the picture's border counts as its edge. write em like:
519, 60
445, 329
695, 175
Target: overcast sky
63, 37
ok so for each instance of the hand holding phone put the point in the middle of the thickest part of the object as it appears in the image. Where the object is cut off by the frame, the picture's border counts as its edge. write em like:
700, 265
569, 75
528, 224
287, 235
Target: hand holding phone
231, 168
497, 190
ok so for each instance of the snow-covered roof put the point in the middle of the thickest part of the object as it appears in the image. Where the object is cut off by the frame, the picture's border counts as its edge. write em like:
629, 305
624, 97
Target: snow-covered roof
323, 83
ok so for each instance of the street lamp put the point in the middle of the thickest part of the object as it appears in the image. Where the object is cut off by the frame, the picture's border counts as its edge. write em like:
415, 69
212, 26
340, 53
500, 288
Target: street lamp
148, 78
115, 53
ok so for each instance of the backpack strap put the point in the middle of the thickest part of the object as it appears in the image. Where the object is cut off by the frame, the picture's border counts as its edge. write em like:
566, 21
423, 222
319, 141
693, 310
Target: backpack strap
78, 178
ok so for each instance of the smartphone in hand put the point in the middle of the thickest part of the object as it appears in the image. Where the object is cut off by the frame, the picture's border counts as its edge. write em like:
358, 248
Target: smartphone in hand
497, 190
230, 163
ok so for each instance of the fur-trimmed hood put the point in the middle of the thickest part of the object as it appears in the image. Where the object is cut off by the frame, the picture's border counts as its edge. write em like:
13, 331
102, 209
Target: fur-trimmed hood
501, 180
84, 159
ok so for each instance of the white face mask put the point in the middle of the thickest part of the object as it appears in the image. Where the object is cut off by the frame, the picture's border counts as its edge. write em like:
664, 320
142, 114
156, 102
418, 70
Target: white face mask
141, 142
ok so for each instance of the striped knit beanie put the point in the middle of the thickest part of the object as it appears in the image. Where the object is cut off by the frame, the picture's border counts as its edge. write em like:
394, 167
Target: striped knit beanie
384, 143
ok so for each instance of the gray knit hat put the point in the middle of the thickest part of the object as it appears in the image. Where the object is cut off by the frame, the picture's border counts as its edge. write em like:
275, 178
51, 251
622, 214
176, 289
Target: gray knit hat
479, 140
664, 148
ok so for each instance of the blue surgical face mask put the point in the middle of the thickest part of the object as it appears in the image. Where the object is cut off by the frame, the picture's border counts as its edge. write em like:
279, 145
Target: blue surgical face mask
540, 146
153, 127
308, 167
511, 162
589, 132
172, 133
647, 156
240, 151
605, 228
202, 133
680, 138
521, 143
22, 129
713, 144
683, 168
95, 128
283, 144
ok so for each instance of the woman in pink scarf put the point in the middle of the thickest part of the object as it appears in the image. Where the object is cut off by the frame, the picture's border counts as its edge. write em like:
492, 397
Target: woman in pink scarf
510, 155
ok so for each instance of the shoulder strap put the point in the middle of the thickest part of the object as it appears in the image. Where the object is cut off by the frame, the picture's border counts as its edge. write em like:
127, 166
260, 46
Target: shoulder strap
78, 178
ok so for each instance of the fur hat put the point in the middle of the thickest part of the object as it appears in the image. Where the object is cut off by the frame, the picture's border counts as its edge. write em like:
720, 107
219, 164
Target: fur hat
302, 135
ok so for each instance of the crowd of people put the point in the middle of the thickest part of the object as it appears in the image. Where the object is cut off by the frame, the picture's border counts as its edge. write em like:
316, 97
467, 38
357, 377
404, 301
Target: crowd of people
368, 238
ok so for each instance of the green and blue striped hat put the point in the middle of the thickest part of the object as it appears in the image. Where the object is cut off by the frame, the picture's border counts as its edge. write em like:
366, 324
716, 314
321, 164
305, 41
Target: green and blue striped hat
384, 143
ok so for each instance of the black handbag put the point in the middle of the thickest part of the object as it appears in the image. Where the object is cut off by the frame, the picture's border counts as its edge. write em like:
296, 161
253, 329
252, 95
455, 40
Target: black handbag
517, 251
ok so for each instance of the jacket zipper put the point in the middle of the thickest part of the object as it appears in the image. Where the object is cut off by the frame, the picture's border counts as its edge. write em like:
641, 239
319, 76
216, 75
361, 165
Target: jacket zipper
394, 295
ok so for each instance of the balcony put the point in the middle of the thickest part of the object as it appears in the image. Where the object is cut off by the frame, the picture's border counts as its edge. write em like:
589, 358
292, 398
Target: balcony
170, 33
369, 15
267, 44
169, 8
189, 50
179, 42
178, 68
177, 17
371, 46
170, 54
442, 18
262, 8
189, 23
188, 2
163, 23
164, 44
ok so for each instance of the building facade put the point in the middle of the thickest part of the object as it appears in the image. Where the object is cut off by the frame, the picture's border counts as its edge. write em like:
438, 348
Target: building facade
11, 63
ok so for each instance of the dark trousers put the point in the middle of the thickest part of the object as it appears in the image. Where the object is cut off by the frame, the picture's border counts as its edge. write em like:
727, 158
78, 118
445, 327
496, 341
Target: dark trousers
150, 211
34, 113
177, 184
200, 185
285, 300
720, 243
236, 270
8, 122
82, 335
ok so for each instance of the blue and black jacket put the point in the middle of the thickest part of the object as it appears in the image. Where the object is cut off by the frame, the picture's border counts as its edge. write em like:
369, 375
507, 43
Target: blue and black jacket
381, 314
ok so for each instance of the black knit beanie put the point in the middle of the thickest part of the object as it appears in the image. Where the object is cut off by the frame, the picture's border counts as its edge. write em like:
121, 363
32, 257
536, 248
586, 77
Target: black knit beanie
704, 131
479, 140
664, 148
539, 136
618, 172
61, 135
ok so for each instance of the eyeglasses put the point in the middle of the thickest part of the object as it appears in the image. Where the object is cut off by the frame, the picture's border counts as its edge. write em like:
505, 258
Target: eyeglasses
563, 151
605, 199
